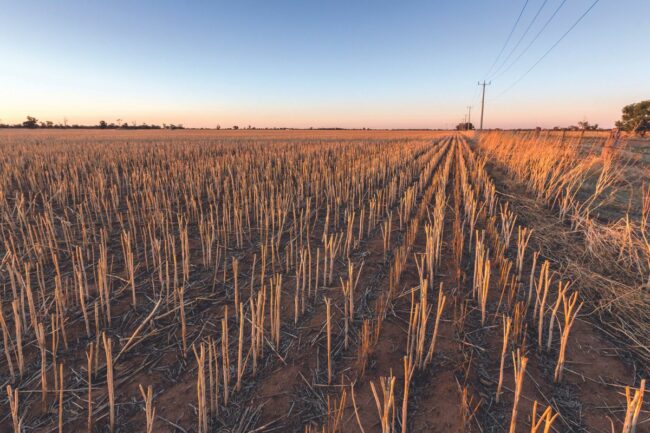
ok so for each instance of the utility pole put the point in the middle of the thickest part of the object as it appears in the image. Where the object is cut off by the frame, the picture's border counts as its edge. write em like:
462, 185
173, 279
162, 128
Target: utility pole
483, 100
469, 114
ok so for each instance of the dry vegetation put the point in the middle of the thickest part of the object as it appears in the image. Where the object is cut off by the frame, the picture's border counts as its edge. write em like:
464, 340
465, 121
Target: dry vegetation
340, 281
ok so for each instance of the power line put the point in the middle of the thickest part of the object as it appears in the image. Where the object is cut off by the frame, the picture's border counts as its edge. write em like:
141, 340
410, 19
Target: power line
508, 39
474, 95
521, 38
549, 50
533, 40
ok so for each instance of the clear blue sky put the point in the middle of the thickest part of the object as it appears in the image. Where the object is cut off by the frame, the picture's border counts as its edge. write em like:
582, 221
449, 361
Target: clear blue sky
317, 63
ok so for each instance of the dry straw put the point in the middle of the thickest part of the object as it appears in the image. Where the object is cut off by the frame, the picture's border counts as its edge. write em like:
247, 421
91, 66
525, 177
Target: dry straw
149, 409
519, 365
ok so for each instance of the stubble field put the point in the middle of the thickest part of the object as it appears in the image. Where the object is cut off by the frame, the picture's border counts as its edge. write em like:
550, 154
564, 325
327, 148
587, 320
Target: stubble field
323, 281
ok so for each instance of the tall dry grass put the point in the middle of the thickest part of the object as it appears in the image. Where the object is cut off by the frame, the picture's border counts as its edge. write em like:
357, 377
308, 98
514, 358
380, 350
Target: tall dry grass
587, 186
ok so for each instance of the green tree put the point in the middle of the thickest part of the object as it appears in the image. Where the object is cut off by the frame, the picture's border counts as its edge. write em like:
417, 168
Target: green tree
636, 117
587, 126
102, 124
31, 122
465, 126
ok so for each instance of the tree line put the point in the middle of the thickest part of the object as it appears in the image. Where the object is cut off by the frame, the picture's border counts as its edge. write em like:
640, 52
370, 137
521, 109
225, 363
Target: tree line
33, 123
635, 119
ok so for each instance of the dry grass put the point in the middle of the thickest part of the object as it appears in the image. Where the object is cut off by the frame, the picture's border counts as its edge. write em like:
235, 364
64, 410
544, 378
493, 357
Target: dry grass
612, 263
283, 261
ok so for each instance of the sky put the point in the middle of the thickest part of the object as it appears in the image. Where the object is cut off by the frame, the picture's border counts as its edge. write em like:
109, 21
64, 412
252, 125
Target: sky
327, 63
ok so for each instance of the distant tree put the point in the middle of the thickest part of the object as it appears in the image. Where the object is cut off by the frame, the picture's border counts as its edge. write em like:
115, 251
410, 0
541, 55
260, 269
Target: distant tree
636, 118
465, 126
49, 124
235, 127
218, 126
103, 124
31, 122
584, 125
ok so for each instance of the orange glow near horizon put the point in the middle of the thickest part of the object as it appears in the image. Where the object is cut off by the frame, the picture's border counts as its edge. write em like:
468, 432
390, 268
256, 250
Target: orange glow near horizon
408, 116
